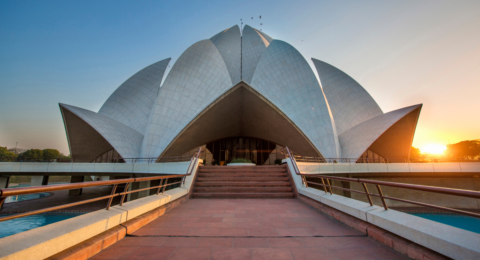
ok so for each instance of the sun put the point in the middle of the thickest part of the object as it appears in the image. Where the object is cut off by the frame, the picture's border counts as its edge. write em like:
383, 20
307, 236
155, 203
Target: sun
434, 148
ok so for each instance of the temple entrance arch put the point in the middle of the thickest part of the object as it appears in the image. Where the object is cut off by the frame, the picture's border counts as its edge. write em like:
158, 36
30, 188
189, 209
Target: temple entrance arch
241, 112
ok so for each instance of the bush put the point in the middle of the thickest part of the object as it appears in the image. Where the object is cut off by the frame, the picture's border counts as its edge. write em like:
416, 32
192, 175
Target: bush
278, 162
240, 160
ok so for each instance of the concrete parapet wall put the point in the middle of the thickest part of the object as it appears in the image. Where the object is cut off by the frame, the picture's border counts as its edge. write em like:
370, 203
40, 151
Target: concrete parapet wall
342, 168
18, 168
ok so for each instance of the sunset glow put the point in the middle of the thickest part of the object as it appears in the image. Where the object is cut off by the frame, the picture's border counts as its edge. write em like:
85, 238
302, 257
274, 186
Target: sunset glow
433, 148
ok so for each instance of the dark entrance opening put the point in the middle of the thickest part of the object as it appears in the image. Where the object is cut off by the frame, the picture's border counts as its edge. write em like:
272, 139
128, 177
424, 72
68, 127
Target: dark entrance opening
258, 151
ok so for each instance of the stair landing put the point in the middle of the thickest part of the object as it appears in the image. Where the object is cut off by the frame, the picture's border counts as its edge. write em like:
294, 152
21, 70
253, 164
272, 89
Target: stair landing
246, 229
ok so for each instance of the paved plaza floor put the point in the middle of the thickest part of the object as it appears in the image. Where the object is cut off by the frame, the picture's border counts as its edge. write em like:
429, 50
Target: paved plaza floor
247, 229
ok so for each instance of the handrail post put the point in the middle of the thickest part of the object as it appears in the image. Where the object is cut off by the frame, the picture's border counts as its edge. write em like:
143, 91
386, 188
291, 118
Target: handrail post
165, 185
324, 187
294, 163
368, 194
329, 186
111, 198
381, 197
160, 186
2, 200
124, 193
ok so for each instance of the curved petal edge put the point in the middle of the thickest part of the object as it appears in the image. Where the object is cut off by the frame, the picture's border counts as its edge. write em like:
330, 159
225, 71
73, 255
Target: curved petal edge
132, 102
284, 77
350, 103
87, 129
198, 77
390, 135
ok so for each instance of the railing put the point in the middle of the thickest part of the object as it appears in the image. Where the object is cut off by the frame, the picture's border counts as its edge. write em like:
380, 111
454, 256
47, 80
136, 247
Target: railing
4, 193
89, 160
327, 187
301, 158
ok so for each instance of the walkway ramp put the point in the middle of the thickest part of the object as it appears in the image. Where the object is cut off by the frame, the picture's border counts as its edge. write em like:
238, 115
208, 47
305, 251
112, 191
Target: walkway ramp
243, 182
247, 229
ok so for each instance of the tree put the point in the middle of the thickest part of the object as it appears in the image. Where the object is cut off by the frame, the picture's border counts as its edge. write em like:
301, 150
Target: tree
469, 149
6, 155
32, 154
50, 154
415, 153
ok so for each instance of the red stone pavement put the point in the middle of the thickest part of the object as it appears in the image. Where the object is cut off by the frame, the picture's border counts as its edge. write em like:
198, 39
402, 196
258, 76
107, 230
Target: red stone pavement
247, 229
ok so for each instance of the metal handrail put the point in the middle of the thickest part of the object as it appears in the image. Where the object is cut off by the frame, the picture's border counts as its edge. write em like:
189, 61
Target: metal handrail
116, 160
303, 158
4, 193
327, 187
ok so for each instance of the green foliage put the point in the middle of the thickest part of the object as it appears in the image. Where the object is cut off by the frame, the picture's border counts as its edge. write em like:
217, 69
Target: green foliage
49, 154
240, 160
42, 155
468, 150
35, 154
278, 161
415, 153
6, 155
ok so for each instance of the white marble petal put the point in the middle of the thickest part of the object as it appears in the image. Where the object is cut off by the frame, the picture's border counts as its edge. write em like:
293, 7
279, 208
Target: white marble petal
253, 47
350, 103
228, 44
132, 102
355, 141
198, 77
124, 139
284, 77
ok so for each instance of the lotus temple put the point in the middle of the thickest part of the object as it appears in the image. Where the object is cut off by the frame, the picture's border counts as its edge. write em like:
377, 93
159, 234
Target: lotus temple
240, 95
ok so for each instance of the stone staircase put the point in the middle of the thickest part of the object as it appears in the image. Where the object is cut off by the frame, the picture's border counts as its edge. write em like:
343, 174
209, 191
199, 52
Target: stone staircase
243, 182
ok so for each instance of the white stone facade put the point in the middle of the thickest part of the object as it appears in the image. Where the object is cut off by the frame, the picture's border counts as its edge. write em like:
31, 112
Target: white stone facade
142, 119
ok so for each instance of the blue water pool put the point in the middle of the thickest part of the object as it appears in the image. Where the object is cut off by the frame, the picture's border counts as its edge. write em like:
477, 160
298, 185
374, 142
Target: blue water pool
14, 226
459, 221
26, 197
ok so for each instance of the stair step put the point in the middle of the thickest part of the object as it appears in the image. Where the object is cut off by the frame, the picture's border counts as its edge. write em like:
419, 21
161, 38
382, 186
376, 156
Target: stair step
214, 175
243, 184
242, 189
244, 195
226, 170
242, 179
245, 167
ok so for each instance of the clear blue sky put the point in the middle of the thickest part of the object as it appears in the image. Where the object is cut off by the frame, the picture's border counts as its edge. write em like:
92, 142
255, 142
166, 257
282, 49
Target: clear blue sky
79, 52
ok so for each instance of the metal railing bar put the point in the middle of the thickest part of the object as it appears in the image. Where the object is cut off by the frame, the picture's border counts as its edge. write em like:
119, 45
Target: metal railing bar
458, 192
4, 193
324, 186
406, 201
70, 186
34, 212
368, 194
111, 198
340, 188
433, 206
449, 191
150, 188
123, 196
382, 197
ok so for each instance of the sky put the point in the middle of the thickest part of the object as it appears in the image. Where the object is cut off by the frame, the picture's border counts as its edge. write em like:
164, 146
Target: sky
78, 52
